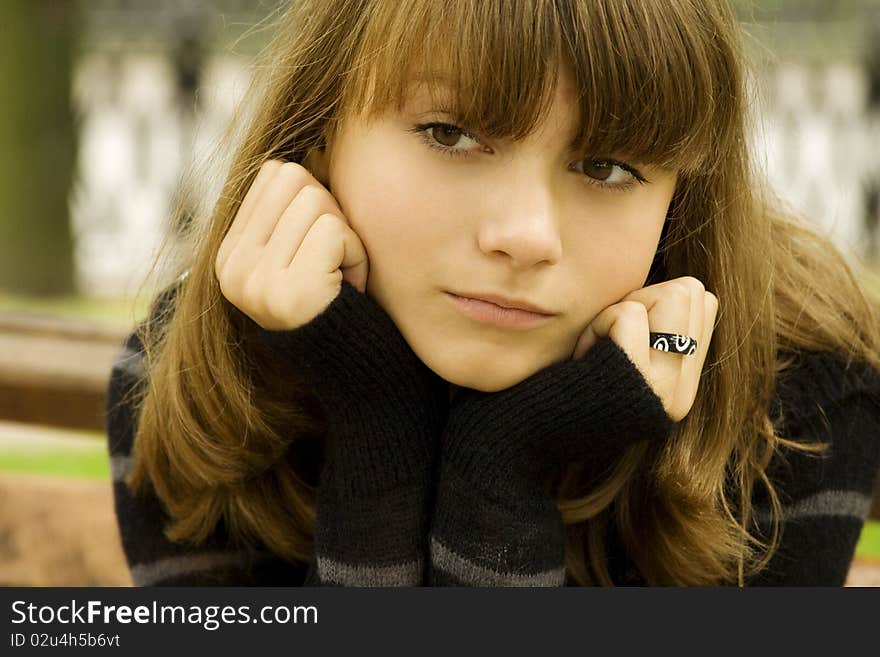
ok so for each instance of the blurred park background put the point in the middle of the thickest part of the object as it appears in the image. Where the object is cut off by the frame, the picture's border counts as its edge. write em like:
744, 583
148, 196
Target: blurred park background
106, 104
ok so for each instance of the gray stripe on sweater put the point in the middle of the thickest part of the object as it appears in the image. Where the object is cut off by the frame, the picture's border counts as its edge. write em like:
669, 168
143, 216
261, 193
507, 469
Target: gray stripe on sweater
147, 574
344, 574
120, 467
845, 503
472, 574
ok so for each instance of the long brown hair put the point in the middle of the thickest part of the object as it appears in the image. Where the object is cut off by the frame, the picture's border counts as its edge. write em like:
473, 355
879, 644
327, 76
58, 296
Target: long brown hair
225, 436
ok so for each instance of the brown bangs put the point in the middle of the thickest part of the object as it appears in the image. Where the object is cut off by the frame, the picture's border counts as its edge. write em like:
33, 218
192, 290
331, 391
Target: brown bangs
653, 83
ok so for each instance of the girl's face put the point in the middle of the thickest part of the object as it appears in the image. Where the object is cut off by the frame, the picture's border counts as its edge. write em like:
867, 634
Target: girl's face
441, 210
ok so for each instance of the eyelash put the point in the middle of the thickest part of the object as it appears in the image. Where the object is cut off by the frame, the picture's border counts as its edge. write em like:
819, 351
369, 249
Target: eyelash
422, 128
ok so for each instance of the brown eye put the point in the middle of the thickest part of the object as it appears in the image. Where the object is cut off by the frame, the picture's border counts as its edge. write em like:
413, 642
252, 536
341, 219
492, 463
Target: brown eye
598, 169
446, 134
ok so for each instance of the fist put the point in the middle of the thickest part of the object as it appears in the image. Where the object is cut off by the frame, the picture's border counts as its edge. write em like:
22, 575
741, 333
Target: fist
681, 306
289, 248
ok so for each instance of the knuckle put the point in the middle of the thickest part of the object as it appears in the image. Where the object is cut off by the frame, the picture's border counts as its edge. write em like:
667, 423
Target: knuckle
278, 300
633, 308
252, 290
229, 286
223, 272
680, 292
311, 190
308, 194
328, 220
291, 167
693, 283
219, 261
293, 173
222, 283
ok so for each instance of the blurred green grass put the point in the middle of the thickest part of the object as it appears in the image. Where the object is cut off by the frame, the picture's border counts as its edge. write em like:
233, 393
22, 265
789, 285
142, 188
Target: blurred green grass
62, 463
869, 541
53, 452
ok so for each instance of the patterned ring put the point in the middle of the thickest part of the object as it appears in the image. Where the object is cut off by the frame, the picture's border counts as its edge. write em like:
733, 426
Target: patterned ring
673, 342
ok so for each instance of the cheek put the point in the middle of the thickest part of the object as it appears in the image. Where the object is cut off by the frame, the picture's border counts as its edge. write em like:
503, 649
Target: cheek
401, 211
384, 204
616, 248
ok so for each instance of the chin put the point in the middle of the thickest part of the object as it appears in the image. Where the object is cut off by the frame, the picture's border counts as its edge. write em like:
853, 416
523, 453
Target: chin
472, 369
486, 379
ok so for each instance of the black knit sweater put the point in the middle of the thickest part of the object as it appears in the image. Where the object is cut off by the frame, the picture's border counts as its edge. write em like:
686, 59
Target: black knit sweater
420, 490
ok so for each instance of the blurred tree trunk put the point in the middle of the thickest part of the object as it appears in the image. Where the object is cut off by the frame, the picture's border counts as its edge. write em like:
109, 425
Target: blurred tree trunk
37, 146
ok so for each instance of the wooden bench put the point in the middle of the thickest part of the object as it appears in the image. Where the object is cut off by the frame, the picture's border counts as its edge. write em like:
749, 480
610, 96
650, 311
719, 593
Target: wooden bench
55, 371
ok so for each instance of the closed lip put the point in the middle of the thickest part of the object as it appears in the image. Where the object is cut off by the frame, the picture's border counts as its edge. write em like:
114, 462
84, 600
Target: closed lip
505, 302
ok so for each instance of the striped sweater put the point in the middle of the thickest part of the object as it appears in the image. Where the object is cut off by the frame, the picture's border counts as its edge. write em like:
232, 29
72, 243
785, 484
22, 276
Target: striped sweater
424, 490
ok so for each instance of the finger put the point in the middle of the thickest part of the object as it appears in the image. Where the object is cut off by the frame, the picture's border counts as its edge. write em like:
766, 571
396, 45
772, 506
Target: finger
670, 309
691, 365
603, 321
694, 364
354, 263
292, 227
710, 320
626, 323
331, 245
674, 306
266, 172
670, 313
651, 294
585, 342
688, 366
710, 313
281, 191
358, 271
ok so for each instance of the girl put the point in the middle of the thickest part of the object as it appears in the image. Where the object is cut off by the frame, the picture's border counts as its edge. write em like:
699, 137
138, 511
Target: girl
492, 296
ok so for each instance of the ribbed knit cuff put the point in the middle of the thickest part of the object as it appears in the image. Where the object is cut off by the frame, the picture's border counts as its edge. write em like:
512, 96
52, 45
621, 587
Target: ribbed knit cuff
817, 379
566, 412
384, 405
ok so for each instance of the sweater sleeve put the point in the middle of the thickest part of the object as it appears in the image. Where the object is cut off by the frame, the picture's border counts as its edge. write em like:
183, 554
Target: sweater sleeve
154, 560
383, 407
825, 499
495, 523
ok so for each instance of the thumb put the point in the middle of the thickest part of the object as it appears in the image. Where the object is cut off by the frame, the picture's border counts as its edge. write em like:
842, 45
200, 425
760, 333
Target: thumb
355, 265
357, 276
585, 342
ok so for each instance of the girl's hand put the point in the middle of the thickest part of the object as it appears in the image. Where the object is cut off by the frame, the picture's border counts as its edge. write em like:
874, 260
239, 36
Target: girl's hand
288, 249
682, 306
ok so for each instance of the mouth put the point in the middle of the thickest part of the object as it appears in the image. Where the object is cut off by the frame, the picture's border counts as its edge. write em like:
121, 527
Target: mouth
487, 312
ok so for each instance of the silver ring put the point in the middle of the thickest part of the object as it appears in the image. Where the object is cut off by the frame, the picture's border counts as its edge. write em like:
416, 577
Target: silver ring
673, 343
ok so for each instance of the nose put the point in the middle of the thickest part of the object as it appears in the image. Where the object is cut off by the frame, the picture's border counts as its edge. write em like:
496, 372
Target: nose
524, 226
